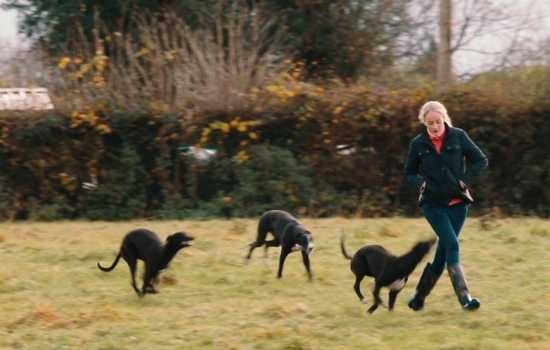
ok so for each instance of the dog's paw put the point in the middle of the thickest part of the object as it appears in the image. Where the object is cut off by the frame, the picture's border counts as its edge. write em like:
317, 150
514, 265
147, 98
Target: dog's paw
364, 301
372, 309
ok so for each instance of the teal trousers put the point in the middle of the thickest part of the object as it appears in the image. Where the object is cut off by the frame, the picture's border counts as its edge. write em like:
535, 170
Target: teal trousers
446, 221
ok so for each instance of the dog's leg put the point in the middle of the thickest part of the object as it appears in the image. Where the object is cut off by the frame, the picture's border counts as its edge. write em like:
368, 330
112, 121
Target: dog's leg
305, 259
357, 288
284, 253
272, 243
260, 238
151, 288
372, 308
132, 263
377, 300
148, 277
392, 297
253, 246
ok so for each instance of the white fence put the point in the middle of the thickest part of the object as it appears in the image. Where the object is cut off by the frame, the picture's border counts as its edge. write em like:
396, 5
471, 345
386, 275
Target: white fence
25, 99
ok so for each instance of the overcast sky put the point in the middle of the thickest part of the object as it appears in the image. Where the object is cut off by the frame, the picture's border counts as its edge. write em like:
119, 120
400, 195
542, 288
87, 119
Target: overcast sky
531, 15
8, 27
464, 61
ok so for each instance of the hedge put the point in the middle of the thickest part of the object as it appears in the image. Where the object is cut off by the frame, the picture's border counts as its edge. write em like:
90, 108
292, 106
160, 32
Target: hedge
312, 151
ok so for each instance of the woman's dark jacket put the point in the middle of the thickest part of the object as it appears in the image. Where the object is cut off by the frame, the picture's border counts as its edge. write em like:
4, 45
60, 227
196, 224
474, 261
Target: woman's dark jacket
442, 171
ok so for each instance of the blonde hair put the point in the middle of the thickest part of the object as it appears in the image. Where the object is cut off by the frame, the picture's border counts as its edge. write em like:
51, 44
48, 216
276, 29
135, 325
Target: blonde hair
437, 107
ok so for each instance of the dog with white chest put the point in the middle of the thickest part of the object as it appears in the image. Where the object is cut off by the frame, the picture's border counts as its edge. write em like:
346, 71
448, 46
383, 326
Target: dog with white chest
387, 269
288, 233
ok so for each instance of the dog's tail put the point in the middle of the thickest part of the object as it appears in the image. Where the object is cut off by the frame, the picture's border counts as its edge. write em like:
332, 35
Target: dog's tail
343, 248
110, 268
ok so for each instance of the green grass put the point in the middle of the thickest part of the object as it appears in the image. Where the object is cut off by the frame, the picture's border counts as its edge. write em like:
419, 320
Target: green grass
52, 296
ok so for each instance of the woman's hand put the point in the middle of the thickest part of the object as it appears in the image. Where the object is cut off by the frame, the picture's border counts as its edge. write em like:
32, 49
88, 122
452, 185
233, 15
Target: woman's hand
423, 187
421, 191
462, 185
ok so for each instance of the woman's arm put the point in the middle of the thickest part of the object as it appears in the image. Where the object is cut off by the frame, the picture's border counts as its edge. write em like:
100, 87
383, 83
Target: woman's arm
412, 165
478, 160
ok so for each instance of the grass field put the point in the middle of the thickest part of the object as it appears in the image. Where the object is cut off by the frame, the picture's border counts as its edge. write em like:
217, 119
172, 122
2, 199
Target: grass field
52, 295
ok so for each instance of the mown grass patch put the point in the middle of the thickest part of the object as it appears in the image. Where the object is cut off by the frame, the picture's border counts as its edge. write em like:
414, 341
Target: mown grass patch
52, 296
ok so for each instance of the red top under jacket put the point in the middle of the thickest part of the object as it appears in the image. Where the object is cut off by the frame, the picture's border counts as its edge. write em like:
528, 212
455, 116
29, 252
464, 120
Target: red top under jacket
437, 141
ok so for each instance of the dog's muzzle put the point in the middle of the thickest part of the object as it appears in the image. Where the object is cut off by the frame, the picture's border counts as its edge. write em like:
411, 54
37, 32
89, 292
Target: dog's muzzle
310, 248
307, 250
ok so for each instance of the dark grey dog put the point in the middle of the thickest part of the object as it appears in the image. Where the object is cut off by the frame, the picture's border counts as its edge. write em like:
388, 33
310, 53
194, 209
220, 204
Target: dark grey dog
288, 233
387, 269
145, 245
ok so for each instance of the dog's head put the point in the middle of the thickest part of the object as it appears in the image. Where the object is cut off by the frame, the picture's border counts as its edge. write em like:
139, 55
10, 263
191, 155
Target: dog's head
422, 248
304, 240
179, 240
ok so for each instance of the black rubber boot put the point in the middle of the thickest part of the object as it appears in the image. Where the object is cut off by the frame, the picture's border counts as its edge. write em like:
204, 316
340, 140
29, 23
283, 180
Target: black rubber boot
461, 288
425, 284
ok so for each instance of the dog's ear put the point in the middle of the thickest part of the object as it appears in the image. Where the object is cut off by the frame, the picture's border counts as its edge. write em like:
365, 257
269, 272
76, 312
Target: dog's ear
172, 236
182, 235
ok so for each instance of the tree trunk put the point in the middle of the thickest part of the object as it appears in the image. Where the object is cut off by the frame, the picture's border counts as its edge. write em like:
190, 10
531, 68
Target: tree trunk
444, 74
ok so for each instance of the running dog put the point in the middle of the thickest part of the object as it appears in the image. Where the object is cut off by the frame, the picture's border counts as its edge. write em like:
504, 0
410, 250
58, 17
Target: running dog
387, 269
288, 233
145, 245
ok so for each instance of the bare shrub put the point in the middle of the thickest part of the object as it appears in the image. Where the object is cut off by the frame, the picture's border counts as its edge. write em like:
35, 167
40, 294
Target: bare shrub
167, 66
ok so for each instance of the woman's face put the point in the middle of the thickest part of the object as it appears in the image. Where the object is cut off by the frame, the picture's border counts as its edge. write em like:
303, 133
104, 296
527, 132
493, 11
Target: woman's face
434, 122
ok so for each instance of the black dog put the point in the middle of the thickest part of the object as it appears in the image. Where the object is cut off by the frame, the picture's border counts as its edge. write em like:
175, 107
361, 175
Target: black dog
145, 245
387, 269
288, 233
